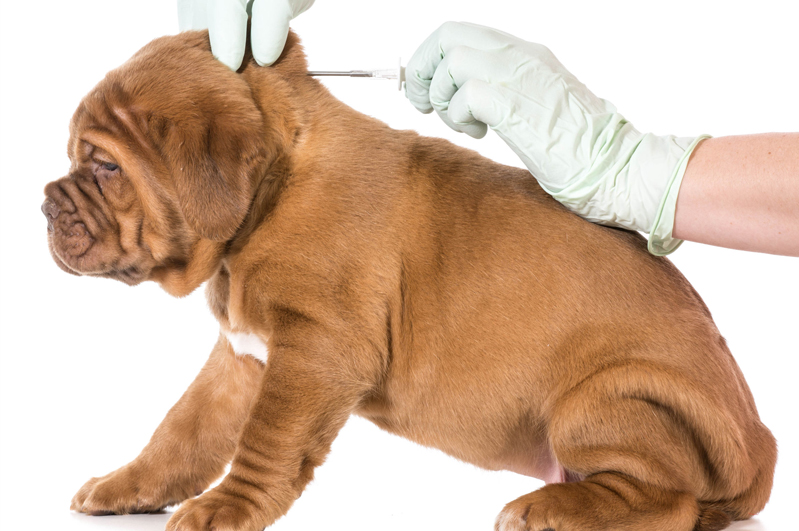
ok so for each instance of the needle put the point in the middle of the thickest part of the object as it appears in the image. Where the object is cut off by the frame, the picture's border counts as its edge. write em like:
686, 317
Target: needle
391, 73
350, 73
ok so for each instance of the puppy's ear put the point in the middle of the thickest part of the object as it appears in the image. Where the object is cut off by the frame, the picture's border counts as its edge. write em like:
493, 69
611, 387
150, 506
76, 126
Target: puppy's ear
213, 159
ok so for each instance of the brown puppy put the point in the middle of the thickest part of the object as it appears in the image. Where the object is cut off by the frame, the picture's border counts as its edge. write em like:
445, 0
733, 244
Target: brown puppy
443, 296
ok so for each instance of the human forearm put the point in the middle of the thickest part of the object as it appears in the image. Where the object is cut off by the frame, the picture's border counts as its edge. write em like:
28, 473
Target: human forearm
742, 192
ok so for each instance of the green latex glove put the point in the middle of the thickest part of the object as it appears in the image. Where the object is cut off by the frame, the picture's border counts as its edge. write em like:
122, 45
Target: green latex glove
581, 150
226, 21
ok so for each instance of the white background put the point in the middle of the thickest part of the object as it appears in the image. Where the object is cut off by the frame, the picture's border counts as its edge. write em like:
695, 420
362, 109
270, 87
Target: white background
89, 367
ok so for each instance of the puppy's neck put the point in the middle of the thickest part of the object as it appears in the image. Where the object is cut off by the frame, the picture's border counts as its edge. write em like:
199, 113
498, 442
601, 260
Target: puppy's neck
293, 106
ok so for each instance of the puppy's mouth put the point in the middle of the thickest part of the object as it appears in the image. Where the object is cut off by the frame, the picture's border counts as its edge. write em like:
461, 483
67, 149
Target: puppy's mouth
70, 248
72, 257
57, 259
86, 238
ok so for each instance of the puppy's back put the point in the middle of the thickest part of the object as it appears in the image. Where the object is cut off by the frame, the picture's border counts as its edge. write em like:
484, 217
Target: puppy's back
501, 256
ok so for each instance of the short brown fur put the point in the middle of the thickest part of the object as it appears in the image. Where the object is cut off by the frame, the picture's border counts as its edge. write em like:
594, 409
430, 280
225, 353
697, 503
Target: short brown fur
439, 294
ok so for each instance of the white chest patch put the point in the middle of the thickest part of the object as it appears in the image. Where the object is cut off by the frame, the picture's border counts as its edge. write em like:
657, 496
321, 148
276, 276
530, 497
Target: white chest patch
246, 344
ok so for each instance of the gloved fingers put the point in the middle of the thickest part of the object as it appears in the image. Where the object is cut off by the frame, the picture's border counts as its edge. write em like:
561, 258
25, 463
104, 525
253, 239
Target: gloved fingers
425, 61
473, 129
270, 28
416, 89
419, 72
227, 29
460, 65
478, 102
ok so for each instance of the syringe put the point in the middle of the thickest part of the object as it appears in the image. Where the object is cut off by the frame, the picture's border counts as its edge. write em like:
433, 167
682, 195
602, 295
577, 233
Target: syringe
391, 73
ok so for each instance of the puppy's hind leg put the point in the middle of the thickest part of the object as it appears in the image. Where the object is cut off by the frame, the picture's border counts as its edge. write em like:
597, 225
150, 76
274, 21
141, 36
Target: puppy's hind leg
602, 502
651, 450
191, 446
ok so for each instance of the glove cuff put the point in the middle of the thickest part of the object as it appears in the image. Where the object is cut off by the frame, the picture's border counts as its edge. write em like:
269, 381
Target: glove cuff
661, 241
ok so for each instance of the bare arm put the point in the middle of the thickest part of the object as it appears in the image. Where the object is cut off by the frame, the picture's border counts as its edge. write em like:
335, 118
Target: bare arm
742, 192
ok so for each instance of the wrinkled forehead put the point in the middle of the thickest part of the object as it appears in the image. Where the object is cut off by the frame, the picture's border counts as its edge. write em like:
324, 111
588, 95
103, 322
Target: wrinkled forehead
109, 117
108, 126
173, 80
170, 98
154, 88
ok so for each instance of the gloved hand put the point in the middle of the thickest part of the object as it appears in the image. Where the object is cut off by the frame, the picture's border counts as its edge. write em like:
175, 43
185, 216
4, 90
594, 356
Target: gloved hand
583, 152
226, 21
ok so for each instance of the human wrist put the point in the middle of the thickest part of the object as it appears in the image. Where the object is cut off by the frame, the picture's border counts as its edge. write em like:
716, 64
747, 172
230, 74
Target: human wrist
661, 234
633, 183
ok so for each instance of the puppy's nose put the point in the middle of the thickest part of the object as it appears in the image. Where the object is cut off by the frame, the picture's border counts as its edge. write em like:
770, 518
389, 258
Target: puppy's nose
51, 211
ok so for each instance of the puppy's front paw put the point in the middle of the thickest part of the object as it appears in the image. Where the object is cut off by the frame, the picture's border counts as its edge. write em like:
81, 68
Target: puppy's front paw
218, 510
128, 490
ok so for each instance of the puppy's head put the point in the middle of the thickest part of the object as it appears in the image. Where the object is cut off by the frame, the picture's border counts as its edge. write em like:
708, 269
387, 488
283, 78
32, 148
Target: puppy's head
165, 155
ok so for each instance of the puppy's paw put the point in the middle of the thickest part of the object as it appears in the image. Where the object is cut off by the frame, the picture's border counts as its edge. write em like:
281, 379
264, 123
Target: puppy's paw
128, 490
519, 515
511, 519
218, 510
601, 502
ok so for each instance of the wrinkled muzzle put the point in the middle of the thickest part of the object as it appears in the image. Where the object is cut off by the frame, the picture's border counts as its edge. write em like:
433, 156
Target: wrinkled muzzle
83, 235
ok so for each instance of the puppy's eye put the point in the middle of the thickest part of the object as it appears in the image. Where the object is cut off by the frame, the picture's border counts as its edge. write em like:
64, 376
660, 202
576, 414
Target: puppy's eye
110, 167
